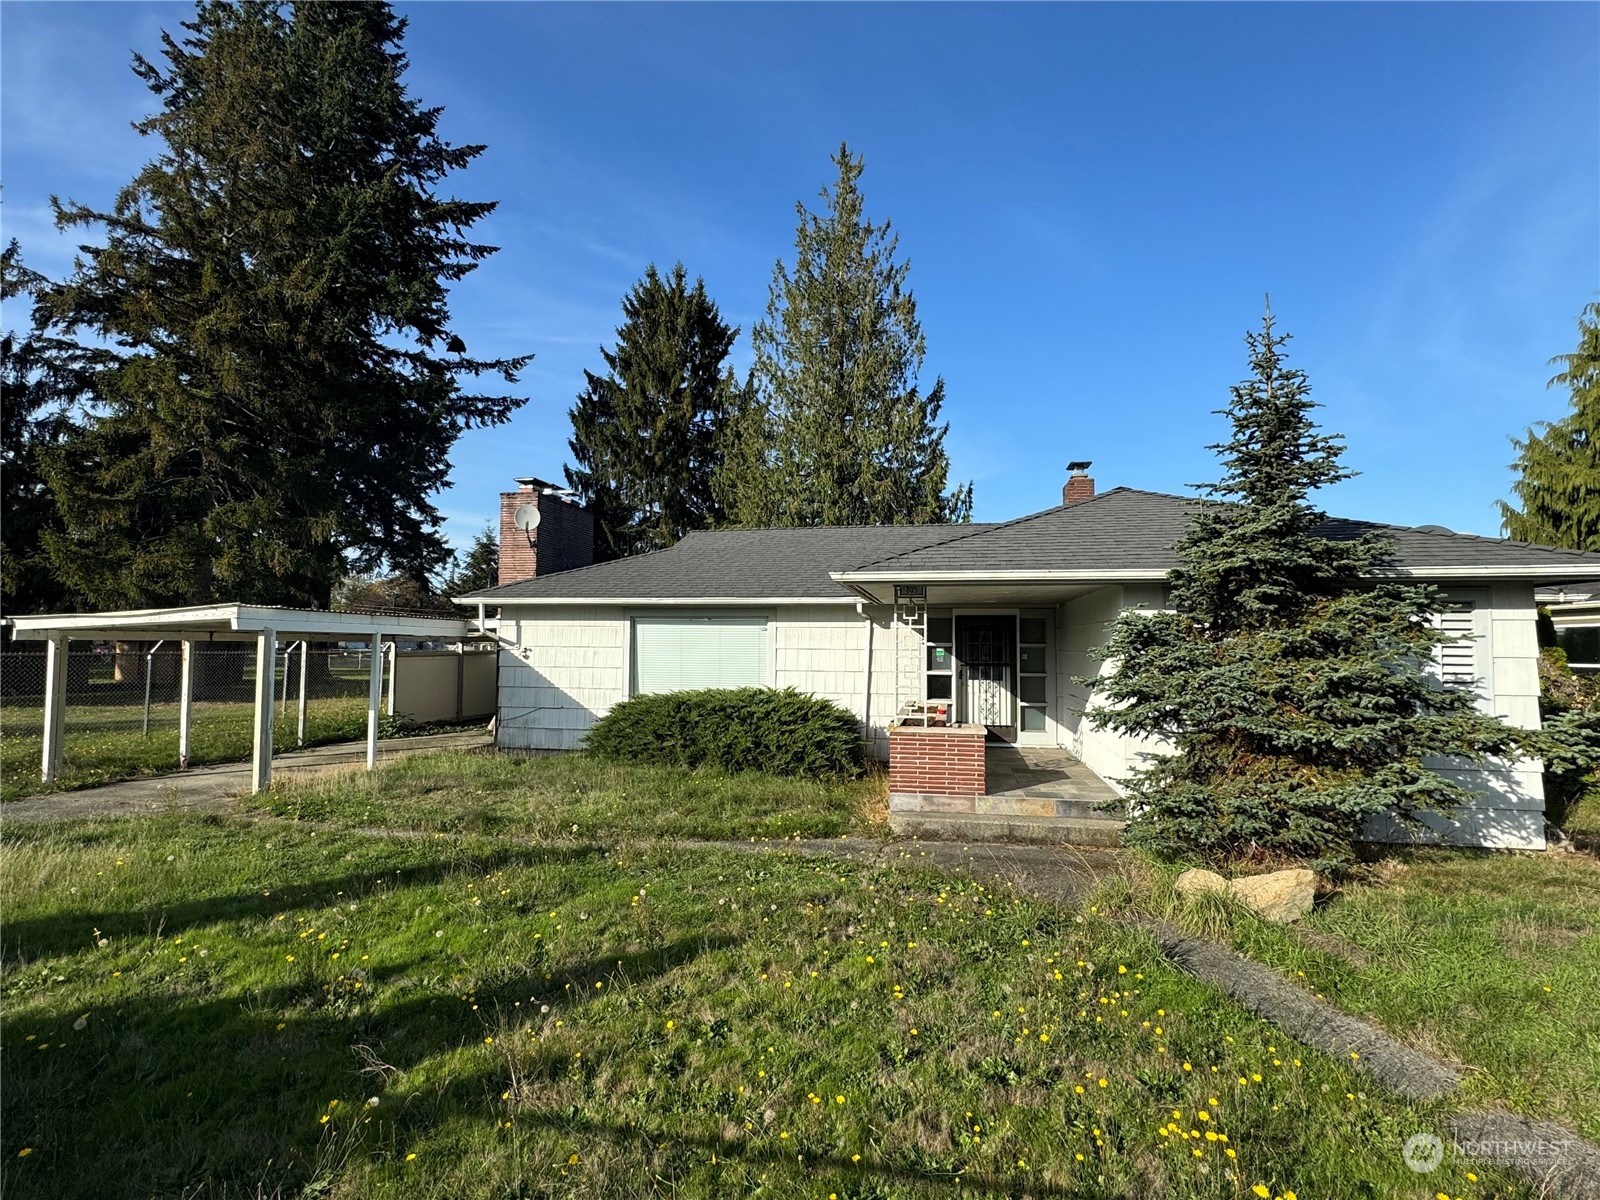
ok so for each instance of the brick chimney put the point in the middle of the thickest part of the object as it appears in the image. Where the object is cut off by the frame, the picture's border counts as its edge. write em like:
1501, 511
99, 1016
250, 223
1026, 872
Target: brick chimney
1079, 485
562, 539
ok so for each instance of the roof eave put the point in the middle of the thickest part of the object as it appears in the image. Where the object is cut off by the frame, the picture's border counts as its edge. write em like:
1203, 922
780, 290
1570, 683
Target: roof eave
659, 601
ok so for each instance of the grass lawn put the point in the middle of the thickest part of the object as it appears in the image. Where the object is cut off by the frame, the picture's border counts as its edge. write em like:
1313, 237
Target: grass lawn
202, 1008
1492, 960
106, 742
571, 794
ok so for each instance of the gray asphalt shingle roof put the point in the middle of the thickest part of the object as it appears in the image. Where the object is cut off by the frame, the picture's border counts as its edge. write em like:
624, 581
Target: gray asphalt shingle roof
1130, 530
735, 564
1122, 530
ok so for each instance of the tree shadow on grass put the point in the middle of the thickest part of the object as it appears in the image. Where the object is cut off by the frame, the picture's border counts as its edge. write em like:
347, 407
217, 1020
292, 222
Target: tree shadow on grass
226, 1095
877, 1170
67, 932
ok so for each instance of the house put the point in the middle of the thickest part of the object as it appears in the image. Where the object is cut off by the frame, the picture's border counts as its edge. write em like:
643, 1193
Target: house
1574, 609
996, 623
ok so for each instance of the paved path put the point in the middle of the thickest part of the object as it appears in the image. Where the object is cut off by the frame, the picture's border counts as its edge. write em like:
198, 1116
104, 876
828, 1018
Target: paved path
213, 789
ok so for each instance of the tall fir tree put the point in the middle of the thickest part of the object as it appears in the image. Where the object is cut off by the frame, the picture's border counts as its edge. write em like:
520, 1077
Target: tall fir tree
479, 568
1558, 465
836, 430
288, 388
46, 384
648, 434
1290, 685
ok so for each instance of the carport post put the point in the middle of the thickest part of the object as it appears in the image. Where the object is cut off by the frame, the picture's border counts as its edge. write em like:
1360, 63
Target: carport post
185, 701
55, 707
261, 750
374, 699
300, 723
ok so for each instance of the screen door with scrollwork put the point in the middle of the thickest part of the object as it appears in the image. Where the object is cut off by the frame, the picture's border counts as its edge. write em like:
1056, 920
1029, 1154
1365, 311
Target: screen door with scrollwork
986, 648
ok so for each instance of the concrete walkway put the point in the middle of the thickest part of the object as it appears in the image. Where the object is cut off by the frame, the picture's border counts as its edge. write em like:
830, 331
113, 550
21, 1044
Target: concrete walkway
213, 789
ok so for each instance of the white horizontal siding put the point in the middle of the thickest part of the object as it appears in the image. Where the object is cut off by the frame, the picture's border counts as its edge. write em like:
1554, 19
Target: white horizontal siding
1507, 809
560, 670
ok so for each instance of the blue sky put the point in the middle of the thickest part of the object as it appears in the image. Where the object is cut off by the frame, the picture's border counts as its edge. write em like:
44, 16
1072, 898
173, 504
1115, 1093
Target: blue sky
1094, 199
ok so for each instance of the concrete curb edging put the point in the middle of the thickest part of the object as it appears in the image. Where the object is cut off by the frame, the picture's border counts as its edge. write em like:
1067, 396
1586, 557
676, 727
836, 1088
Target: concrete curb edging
1336, 1033
1557, 1162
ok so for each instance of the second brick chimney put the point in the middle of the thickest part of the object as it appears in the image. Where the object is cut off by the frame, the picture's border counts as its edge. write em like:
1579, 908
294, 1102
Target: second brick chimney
562, 539
1079, 485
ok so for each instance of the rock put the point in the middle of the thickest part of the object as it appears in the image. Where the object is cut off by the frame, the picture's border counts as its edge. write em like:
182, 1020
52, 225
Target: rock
1278, 896
1197, 882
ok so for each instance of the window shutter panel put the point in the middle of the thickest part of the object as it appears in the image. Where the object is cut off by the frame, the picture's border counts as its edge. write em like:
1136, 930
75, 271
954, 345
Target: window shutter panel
675, 654
1457, 659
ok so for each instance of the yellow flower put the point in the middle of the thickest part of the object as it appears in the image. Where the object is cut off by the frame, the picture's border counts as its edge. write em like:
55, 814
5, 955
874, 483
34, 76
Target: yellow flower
410, 1157
1261, 1189
838, 1099
572, 1160
24, 1152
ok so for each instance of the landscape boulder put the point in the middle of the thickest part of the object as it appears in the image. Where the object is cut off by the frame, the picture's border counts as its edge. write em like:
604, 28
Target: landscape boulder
1278, 896
1197, 881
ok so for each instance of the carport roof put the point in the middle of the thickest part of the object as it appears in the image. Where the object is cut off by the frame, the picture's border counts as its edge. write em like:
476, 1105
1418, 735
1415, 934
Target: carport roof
233, 622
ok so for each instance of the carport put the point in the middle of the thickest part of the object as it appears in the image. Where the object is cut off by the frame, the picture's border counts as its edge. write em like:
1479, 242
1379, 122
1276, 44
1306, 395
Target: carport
264, 625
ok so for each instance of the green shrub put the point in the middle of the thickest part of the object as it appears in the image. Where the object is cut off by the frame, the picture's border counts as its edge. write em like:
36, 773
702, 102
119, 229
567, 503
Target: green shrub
733, 729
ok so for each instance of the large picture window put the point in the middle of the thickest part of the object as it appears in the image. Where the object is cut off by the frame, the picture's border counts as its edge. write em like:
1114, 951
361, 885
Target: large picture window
676, 654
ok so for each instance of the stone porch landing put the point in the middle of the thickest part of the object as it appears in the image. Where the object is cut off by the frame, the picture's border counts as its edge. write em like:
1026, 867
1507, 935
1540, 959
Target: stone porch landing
1032, 794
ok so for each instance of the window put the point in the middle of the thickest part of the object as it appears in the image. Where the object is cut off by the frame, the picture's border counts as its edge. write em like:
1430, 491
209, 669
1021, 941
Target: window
1582, 644
941, 665
1033, 680
675, 654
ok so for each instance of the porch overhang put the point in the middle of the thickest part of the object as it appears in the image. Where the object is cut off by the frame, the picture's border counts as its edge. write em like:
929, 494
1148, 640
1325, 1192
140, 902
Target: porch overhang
1008, 588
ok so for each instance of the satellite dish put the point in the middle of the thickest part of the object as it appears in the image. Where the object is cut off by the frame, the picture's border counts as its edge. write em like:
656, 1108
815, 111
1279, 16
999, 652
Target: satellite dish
526, 517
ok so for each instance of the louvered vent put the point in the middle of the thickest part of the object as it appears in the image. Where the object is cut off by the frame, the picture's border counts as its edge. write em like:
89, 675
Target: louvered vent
1458, 658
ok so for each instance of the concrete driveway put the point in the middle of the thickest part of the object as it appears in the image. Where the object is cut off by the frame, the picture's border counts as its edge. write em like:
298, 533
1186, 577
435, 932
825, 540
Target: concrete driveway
213, 789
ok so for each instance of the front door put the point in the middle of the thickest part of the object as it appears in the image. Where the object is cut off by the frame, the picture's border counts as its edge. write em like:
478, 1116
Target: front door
986, 648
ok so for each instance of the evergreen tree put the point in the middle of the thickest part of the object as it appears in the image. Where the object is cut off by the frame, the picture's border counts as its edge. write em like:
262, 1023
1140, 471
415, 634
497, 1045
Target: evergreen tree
647, 435
1559, 465
276, 280
46, 384
479, 569
1288, 683
837, 431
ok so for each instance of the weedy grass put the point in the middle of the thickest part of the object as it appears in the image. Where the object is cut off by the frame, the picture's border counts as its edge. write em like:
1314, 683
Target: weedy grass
575, 795
104, 743
1491, 960
202, 1008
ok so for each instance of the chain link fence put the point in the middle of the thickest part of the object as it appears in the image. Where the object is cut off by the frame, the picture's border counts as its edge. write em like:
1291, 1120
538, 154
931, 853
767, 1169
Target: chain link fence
122, 706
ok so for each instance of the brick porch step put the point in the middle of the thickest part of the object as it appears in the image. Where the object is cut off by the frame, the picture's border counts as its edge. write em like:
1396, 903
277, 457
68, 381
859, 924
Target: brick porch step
999, 827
